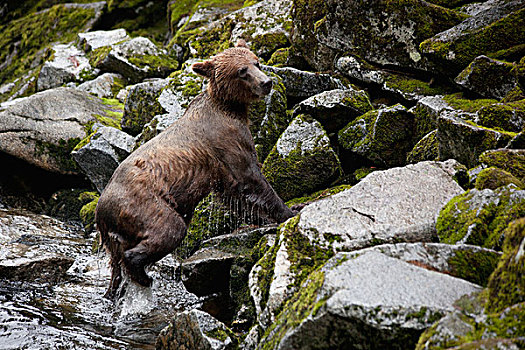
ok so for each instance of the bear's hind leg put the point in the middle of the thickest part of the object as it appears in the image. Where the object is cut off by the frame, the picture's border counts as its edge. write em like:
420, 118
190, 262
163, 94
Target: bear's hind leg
154, 247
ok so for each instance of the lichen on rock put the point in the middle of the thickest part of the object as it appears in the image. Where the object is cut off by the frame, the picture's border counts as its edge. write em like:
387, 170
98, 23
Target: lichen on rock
480, 216
302, 159
383, 136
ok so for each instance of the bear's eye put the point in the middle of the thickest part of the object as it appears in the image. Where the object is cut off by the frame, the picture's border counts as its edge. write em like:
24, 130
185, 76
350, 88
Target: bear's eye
243, 72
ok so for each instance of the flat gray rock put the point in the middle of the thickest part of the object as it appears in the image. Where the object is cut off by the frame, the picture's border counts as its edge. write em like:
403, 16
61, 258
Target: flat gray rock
99, 38
371, 301
387, 206
43, 128
103, 86
34, 247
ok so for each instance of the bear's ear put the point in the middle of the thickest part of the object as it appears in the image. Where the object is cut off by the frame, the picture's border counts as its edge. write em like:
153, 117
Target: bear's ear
203, 68
242, 43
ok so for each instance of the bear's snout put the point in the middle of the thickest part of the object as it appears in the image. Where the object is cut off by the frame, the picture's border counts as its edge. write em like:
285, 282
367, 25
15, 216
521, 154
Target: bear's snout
266, 86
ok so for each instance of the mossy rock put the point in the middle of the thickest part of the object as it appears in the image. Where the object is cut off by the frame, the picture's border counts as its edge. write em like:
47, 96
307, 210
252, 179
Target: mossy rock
472, 327
509, 160
87, 212
488, 77
142, 105
493, 178
460, 102
212, 217
269, 118
302, 161
383, 136
318, 195
265, 26
411, 88
480, 217
465, 141
279, 58
455, 52
24, 40
324, 30
136, 59
506, 116
425, 149
335, 108
507, 284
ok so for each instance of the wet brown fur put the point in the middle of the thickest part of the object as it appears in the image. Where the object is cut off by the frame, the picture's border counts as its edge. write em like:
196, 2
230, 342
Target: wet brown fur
144, 211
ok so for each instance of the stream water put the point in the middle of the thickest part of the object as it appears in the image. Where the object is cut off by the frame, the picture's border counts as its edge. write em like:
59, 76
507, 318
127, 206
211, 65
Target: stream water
45, 312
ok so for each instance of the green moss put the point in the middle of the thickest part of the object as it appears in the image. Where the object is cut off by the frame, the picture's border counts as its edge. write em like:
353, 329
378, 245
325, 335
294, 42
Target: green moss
265, 274
414, 86
508, 160
269, 43
23, 39
503, 116
425, 149
118, 84
480, 218
177, 10
383, 136
279, 58
98, 55
297, 174
87, 212
493, 178
160, 63
507, 284
303, 255
220, 334
473, 266
458, 101
60, 153
297, 308
502, 34
318, 195
516, 94
206, 43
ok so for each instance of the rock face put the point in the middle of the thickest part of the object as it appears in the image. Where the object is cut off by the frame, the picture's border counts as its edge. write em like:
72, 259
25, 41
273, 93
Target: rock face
142, 105
300, 84
136, 59
33, 247
483, 68
26, 39
396, 204
382, 136
195, 330
68, 64
479, 217
489, 30
106, 149
331, 309
465, 141
93, 40
302, 160
335, 108
44, 128
105, 86
324, 30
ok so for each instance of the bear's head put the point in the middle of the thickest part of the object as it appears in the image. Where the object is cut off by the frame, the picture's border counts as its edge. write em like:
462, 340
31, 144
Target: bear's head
234, 75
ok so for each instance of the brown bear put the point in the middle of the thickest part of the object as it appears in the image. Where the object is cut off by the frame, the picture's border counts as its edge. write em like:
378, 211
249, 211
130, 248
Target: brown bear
144, 211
